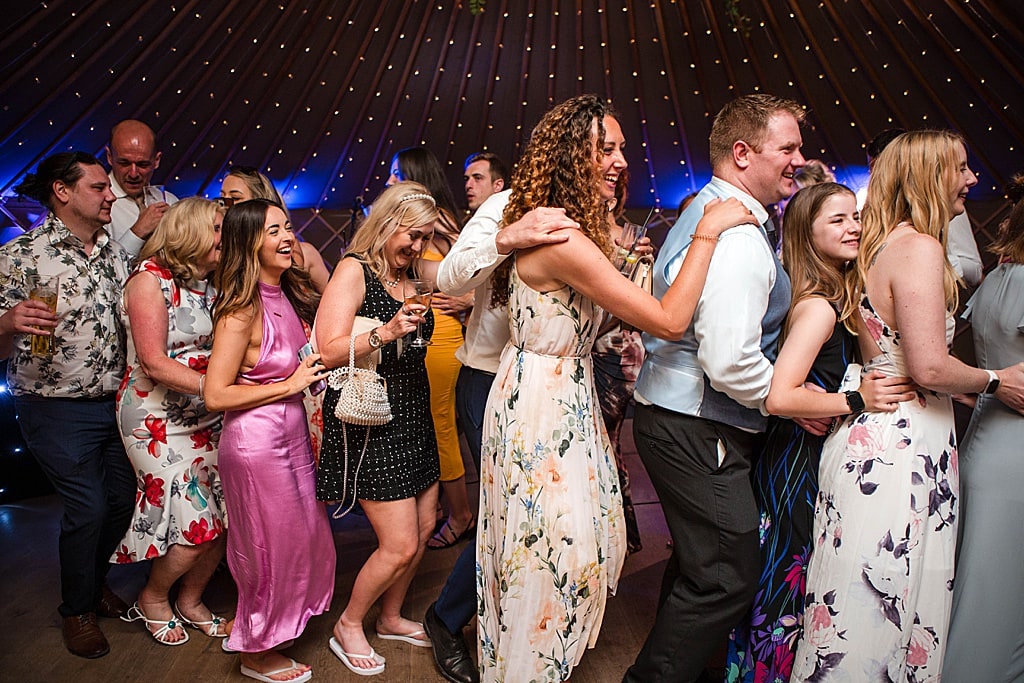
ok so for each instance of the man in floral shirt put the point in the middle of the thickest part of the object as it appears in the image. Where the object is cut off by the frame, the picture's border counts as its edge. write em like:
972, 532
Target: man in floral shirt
65, 400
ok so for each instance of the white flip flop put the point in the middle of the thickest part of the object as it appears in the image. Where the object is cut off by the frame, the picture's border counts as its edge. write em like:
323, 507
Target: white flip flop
266, 677
347, 657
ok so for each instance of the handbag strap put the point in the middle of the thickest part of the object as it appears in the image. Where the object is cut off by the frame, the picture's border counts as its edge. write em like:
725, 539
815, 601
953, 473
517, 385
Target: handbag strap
351, 352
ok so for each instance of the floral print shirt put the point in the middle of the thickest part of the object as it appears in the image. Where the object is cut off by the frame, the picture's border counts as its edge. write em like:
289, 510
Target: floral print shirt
89, 352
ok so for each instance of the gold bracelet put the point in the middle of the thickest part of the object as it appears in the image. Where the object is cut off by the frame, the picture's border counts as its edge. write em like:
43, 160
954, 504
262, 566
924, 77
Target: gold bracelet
202, 387
708, 238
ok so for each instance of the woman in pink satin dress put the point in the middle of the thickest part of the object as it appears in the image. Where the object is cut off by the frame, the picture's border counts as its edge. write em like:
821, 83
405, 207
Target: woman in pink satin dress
280, 549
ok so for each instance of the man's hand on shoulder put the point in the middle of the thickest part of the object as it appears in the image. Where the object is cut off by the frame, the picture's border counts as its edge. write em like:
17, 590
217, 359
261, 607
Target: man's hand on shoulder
539, 226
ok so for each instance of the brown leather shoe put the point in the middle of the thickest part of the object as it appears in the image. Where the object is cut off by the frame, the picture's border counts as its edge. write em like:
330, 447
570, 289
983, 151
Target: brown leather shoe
110, 604
83, 637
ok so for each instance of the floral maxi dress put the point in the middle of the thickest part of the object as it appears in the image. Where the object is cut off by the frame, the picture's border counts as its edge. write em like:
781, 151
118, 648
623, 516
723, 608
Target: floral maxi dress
880, 580
552, 538
170, 437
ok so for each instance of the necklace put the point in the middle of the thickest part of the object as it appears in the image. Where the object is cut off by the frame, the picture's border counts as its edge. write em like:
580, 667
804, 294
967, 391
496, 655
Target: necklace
392, 283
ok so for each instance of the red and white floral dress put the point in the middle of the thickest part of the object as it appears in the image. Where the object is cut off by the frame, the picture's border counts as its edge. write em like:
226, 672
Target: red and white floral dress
170, 437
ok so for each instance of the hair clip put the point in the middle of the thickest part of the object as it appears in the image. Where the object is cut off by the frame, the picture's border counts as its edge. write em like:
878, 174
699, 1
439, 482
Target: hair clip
418, 195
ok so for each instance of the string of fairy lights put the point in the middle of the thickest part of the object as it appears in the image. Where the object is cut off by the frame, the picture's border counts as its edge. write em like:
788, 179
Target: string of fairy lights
320, 94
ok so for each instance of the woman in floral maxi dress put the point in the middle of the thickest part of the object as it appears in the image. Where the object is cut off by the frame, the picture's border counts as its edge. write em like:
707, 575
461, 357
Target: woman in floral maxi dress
550, 539
879, 584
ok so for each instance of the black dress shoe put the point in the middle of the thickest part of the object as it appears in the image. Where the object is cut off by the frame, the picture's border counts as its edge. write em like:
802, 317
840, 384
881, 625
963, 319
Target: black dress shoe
110, 604
83, 637
450, 651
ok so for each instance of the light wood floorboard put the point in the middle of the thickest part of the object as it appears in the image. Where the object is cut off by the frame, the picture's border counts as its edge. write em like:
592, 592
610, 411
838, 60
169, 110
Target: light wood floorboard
30, 637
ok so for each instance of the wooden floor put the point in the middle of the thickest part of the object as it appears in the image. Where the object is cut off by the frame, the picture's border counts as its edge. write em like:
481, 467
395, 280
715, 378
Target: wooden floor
30, 639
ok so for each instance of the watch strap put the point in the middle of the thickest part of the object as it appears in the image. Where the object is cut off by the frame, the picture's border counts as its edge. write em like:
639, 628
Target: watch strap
855, 401
993, 382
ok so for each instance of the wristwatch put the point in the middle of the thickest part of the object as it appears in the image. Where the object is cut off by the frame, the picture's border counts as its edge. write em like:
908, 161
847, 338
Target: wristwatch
375, 339
993, 382
855, 401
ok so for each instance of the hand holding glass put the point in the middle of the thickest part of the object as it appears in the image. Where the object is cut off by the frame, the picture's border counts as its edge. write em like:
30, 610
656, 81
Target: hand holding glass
625, 253
419, 292
153, 194
43, 288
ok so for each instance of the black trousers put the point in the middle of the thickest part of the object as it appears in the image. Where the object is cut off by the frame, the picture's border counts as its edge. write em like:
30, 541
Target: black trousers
701, 472
78, 445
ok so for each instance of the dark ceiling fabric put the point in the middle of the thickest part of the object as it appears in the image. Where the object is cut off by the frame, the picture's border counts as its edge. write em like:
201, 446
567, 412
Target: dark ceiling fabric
319, 94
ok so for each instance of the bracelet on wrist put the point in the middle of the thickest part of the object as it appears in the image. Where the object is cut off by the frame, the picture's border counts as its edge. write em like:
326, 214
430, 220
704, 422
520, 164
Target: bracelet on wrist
202, 387
706, 238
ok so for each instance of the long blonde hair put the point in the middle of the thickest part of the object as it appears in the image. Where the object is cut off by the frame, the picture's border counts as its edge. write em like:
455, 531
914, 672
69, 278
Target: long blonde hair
184, 235
402, 206
810, 273
911, 182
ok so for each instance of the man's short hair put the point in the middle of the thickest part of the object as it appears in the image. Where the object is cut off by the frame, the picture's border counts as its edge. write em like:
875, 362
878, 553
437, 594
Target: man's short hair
746, 118
499, 171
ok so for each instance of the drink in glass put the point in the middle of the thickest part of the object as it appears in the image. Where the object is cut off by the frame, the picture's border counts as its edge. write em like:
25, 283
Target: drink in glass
43, 288
419, 292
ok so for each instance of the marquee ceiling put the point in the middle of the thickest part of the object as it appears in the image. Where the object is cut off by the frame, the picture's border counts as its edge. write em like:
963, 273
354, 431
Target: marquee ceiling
320, 93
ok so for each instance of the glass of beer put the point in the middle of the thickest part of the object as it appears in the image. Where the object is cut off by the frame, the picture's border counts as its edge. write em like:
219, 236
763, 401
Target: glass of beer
43, 288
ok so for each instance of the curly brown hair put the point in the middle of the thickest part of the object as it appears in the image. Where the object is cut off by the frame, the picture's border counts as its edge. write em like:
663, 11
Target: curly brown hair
560, 169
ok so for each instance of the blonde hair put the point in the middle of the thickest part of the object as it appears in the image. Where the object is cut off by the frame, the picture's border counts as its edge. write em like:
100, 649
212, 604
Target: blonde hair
810, 273
402, 206
185, 234
911, 182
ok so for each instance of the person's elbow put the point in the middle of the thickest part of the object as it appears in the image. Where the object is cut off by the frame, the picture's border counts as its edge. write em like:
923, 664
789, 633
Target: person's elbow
214, 399
928, 374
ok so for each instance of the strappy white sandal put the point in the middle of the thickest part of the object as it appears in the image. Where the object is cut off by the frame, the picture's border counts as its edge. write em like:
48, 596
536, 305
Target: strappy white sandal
135, 613
210, 628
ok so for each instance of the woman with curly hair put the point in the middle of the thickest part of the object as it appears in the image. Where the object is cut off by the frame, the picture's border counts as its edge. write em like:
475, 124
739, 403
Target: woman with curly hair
280, 549
880, 578
551, 540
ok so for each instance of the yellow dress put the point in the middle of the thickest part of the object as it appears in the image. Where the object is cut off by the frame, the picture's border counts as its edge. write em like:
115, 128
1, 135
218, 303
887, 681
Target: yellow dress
443, 372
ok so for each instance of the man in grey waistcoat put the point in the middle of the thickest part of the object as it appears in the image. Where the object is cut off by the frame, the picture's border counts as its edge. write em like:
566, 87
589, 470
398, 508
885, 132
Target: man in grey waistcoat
700, 399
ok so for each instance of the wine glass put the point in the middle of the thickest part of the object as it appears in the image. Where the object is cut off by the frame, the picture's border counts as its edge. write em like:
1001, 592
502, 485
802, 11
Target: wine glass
419, 292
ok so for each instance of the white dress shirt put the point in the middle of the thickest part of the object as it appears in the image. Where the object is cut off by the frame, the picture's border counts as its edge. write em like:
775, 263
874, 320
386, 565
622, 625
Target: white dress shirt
468, 265
123, 214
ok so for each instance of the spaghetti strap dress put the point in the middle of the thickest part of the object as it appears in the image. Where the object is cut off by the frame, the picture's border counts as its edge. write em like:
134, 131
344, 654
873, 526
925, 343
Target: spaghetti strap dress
880, 579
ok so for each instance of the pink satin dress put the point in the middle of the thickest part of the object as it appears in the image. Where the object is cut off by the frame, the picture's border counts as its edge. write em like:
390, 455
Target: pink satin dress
280, 548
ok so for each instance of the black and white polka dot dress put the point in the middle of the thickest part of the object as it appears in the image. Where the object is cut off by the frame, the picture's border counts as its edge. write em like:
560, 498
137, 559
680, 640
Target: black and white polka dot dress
401, 457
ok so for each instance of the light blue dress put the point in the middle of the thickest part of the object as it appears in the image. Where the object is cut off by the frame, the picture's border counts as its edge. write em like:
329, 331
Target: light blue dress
986, 637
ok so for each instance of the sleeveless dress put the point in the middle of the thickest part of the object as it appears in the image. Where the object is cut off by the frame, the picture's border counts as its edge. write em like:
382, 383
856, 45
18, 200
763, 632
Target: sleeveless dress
551, 537
170, 437
443, 372
880, 580
618, 355
401, 456
280, 549
785, 479
986, 632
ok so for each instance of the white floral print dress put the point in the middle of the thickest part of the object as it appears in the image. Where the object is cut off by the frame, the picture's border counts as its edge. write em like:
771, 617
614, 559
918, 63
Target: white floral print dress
551, 538
879, 584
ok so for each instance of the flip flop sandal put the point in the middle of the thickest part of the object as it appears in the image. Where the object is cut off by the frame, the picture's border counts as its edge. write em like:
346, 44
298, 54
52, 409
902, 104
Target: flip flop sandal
347, 657
265, 676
